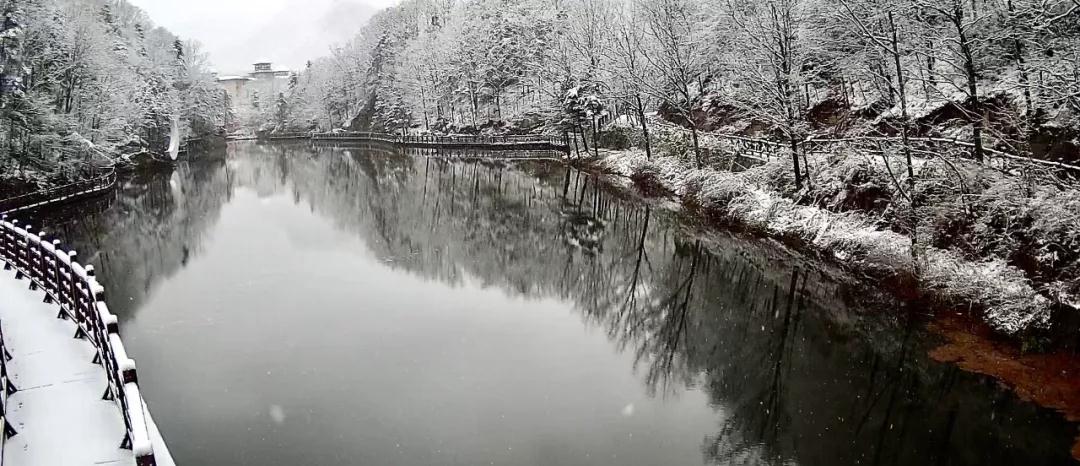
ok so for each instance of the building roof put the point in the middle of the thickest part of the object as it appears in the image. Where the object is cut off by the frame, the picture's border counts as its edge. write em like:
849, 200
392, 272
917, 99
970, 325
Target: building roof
234, 78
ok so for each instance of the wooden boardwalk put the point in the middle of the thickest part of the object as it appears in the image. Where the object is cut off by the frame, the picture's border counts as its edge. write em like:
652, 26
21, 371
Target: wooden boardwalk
60, 194
68, 357
493, 143
57, 414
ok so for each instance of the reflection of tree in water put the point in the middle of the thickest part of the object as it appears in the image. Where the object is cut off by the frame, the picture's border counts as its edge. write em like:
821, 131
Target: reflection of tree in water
153, 226
799, 368
744, 433
658, 325
797, 374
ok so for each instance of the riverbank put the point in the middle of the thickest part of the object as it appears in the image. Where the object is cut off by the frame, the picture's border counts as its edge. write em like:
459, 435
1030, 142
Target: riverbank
859, 239
692, 325
990, 317
26, 181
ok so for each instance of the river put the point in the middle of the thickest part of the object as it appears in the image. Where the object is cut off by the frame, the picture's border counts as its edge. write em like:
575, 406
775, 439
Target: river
291, 305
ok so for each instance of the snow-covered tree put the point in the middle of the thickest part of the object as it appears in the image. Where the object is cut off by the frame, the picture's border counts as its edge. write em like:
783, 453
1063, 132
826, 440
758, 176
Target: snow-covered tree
677, 53
90, 80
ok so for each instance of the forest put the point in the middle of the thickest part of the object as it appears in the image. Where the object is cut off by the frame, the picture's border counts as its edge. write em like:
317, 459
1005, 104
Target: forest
930, 145
88, 84
789, 69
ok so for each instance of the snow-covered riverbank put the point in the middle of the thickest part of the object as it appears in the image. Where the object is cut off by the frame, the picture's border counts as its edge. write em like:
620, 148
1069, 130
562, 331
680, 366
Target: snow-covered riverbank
1005, 297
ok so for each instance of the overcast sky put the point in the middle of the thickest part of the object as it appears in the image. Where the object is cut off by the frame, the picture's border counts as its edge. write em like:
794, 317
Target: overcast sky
236, 33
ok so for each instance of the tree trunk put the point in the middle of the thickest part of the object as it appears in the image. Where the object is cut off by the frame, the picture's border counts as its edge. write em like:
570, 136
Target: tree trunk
644, 127
584, 143
976, 116
595, 135
475, 108
697, 146
795, 161
577, 149
1021, 66
905, 131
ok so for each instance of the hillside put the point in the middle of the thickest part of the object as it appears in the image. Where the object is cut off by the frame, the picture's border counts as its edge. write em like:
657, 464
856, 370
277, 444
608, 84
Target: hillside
88, 83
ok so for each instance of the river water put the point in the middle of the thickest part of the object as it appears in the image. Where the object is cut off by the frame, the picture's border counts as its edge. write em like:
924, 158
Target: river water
291, 305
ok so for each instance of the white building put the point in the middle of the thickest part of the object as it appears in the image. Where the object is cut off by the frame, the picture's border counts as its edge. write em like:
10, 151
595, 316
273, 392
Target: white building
258, 88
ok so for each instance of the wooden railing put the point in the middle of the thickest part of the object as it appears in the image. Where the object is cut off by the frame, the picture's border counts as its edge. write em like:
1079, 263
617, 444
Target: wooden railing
936, 146
923, 147
81, 298
291, 135
465, 141
6, 389
357, 136
766, 149
60, 193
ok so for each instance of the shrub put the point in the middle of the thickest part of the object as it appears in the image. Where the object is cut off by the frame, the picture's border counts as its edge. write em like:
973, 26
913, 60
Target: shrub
616, 138
974, 235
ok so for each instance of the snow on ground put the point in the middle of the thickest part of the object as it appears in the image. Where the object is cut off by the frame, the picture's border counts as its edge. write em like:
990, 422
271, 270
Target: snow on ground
1012, 304
58, 412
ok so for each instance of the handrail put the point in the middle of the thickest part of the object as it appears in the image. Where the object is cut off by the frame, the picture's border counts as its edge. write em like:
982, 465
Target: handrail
6, 389
59, 193
289, 135
954, 142
810, 142
555, 142
81, 298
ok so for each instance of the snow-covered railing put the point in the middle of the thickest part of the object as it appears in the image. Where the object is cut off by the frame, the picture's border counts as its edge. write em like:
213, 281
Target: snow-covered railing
6, 389
60, 193
290, 135
241, 137
937, 144
357, 136
527, 141
767, 149
74, 288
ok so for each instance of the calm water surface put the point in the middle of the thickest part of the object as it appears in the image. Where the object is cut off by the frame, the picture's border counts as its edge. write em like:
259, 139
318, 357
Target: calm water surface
291, 305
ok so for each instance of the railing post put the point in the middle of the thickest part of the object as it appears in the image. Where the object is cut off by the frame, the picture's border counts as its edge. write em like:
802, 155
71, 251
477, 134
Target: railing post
73, 290
4, 250
37, 272
58, 289
25, 253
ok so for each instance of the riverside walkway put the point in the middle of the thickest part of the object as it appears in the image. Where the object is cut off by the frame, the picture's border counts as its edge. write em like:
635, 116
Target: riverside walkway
69, 393
60, 194
57, 415
491, 143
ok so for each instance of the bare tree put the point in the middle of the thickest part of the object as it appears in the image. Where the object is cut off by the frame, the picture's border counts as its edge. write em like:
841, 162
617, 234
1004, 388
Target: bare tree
773, 69
961, 24
677, 56
876, 22
630, 69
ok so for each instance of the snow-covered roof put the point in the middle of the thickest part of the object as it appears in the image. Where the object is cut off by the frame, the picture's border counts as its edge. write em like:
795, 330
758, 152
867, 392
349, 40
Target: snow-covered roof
233, 78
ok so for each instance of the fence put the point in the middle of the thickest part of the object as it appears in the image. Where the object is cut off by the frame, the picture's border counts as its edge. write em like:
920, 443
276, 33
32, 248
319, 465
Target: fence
927, 147
356, 136
6, 389
60, 193
521, 142
293, 135
922, 147
82, 299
